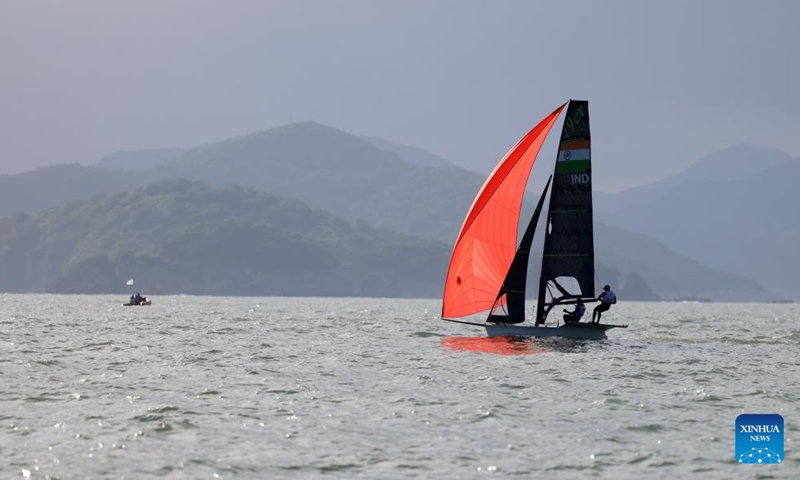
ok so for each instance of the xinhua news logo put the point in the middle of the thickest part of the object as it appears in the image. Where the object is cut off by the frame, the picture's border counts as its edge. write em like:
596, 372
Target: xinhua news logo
759, 438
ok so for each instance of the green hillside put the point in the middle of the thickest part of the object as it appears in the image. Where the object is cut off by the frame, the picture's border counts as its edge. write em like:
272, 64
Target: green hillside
178, 236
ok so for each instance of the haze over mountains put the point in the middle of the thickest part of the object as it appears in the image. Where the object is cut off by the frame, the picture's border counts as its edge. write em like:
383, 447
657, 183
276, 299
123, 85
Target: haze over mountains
736, 210
730, 164
60, 184
139, 159
373, 185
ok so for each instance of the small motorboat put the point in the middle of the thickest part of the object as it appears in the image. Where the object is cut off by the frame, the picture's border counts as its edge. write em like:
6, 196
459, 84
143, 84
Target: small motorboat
137, 301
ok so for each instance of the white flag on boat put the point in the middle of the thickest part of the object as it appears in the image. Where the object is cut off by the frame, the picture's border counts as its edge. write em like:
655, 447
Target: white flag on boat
129, 282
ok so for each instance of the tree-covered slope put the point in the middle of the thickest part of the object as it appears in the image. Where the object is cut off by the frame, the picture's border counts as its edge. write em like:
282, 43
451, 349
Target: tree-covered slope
178, 236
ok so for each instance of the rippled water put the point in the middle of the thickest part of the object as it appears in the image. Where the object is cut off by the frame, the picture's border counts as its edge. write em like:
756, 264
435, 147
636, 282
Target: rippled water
199, 387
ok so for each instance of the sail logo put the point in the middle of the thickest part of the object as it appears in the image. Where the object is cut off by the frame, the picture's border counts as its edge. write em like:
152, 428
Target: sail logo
577, 124
579, 178
759, 438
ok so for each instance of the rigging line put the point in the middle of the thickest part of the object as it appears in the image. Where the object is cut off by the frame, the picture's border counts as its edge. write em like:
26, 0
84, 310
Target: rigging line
550, 291
466, 323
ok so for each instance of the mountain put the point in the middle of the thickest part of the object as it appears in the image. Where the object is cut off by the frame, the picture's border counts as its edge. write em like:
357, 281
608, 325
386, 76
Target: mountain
60, 184
331, 170
412, 155
746, 225
730, 164
338, 172
139, 159
669, 275
177, 236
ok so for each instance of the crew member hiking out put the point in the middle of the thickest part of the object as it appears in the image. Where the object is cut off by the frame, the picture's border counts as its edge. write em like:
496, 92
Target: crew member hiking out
607, 298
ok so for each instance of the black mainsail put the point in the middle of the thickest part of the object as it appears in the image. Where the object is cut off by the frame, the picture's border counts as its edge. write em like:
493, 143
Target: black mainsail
568, 257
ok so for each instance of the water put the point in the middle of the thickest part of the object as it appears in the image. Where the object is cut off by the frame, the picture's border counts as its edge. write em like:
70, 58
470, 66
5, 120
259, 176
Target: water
199, 387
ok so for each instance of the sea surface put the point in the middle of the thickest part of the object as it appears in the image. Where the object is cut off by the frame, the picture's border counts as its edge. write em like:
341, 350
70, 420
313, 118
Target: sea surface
205, 388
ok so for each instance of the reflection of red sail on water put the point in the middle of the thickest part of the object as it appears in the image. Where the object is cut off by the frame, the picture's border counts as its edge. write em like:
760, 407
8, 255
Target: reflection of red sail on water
495, 345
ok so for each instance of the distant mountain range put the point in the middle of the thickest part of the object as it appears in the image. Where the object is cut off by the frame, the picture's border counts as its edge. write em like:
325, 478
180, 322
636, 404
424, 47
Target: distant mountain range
338, 172
176, 236
730, 164
383, 185
734, 211
60, 184
413, 155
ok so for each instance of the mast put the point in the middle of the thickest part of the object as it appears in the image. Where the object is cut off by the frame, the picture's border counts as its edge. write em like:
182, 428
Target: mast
568, 257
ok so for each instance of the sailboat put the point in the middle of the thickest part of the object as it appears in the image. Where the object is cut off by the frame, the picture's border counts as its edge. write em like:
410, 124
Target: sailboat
488, 269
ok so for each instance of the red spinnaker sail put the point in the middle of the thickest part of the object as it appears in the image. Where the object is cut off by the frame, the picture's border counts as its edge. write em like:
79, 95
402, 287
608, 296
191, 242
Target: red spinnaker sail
486, 244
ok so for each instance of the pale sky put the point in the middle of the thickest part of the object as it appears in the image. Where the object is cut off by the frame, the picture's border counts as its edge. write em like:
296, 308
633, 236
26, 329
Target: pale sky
667, 81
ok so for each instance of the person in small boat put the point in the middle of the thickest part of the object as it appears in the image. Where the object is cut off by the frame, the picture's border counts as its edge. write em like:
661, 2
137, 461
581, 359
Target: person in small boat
138, 299
607, 298
575, 315
132, 299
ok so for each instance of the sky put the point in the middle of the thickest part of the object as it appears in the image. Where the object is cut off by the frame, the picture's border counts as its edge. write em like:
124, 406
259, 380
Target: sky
668, 81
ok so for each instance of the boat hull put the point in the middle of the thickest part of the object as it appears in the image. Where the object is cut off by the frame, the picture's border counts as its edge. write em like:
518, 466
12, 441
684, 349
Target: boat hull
587, 331
143, 303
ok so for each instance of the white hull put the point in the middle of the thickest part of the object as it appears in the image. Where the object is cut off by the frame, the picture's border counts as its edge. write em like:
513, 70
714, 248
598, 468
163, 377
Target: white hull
588, 331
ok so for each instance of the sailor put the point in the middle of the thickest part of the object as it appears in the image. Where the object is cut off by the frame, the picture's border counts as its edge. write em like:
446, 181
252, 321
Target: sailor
607, 298
138, 299
575, 315
132, 300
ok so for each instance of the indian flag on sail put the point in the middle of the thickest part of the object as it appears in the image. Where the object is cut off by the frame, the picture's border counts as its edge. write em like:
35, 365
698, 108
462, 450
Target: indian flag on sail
574, 156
